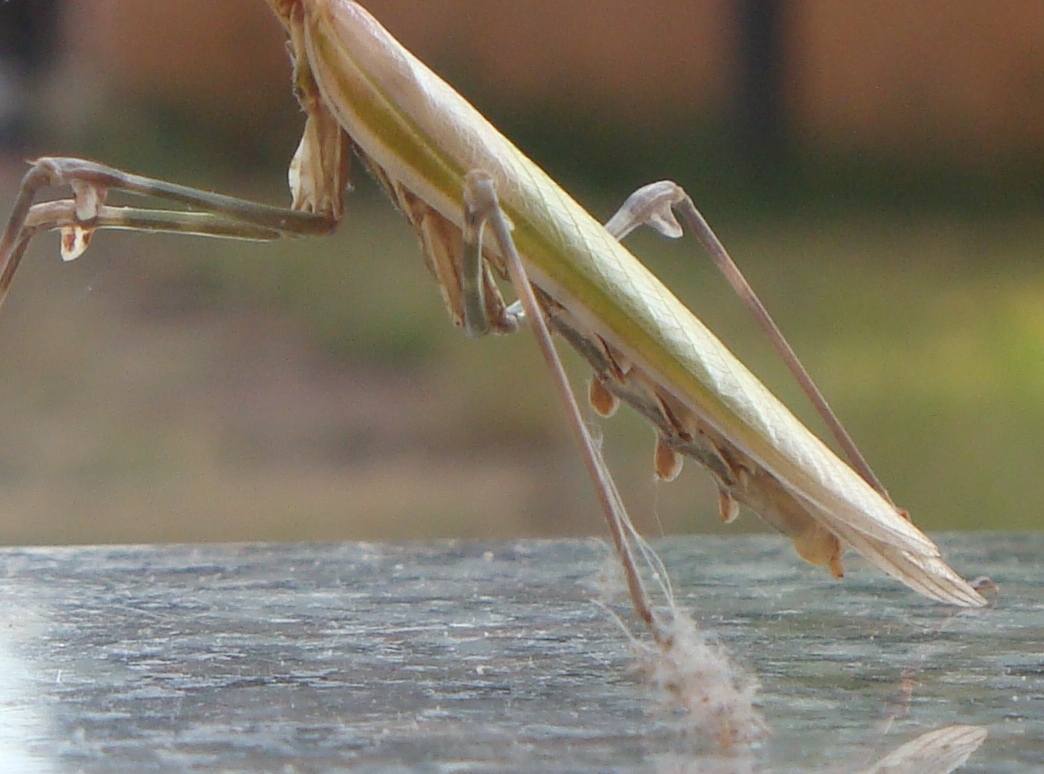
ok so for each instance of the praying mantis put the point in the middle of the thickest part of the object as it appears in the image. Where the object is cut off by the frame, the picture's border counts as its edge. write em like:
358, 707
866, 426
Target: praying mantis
487, 216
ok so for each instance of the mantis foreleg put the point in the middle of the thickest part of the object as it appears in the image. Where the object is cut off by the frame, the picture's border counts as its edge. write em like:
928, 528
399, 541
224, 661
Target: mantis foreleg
475, 311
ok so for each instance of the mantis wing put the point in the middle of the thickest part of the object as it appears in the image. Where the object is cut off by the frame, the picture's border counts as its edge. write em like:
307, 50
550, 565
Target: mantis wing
427, 137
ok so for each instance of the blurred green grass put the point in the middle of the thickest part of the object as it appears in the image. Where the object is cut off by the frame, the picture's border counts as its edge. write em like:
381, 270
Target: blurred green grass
929, 338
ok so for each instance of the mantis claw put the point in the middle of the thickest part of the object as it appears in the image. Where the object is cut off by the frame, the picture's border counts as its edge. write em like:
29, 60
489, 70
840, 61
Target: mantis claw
651, 205
88, 199
513, 318
74, 241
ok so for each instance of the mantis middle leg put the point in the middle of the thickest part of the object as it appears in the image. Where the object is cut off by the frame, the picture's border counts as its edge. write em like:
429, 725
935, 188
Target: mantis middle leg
482, 209
213, 214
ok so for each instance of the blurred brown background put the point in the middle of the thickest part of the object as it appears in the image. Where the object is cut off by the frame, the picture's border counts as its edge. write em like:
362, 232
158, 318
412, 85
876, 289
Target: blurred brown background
875, 167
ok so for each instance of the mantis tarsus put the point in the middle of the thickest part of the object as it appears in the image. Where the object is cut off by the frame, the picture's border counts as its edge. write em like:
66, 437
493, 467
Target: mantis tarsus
456, 179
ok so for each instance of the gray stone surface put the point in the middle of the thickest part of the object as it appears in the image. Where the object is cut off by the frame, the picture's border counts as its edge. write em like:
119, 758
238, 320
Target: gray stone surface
461, 657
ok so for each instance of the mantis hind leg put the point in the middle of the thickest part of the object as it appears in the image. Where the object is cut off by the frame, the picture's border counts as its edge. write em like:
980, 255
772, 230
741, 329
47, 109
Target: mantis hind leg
656, 205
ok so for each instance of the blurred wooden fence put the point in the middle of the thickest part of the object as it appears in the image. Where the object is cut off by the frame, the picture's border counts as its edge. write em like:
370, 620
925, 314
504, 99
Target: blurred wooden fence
958, 77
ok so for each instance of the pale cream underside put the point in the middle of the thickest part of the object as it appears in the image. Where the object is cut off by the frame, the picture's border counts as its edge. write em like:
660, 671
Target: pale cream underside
572, 258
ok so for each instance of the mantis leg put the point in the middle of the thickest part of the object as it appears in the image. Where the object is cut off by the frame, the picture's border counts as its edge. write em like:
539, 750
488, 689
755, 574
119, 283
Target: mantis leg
475, 312
482, 208
655, 205
212, 214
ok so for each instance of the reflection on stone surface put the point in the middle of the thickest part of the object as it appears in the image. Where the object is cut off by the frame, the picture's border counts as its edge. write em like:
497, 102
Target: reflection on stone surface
491, 656
20, 720
936, 752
